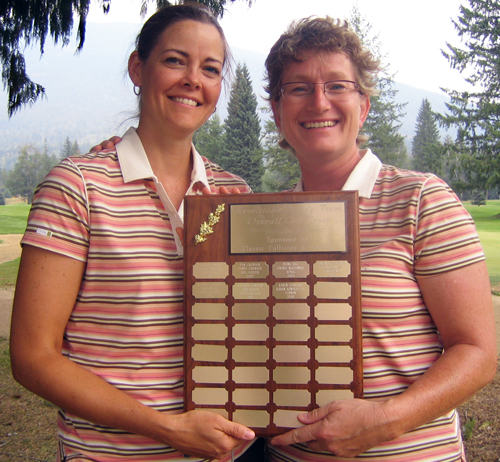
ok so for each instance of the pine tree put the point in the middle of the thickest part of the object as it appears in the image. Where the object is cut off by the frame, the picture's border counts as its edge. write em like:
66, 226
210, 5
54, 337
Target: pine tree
427, 150
27, 22
282, 167
384, 119
478, 197
75, 149
476, 112
241, 153
66, 149
69, 149
208, 139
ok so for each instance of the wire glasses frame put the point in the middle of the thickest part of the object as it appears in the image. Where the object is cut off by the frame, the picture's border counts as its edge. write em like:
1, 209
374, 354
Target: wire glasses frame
335, 89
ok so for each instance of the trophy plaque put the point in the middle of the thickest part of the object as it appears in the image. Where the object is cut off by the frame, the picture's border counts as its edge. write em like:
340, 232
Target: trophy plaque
272, 305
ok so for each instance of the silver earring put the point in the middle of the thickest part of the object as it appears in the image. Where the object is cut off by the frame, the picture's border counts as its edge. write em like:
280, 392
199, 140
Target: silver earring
137, 90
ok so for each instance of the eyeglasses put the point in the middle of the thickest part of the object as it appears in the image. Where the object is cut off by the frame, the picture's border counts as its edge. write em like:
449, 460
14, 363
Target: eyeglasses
336, 89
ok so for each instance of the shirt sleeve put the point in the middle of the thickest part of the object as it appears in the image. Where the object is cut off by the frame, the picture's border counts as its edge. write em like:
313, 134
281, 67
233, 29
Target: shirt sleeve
446, 237
59, 215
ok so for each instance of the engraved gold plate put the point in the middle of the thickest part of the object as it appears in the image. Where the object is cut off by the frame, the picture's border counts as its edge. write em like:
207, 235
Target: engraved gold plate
332, 269
291, 269
250, 290
287, 228
250, 270
210, 270
209, 289
290, 290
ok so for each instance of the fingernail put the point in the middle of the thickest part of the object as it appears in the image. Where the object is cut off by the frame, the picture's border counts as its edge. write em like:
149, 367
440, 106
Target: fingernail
249, 435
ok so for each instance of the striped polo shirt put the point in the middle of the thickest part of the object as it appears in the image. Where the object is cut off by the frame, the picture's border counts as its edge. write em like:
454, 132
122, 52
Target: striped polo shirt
109, 210
411, 224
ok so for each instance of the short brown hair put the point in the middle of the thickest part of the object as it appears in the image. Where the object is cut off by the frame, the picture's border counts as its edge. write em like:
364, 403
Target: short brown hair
316, 34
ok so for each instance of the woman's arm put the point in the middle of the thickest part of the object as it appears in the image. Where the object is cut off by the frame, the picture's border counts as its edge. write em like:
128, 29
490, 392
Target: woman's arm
47, 287
461, 306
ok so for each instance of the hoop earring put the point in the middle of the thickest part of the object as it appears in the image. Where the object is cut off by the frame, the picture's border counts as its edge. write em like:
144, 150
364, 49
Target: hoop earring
138, 91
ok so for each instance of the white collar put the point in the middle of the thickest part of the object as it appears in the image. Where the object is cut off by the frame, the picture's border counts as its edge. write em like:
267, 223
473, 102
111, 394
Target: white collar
362, 178
135, 165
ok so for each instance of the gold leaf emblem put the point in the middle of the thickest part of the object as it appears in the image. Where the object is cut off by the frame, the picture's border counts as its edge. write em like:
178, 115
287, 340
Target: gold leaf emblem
206, 228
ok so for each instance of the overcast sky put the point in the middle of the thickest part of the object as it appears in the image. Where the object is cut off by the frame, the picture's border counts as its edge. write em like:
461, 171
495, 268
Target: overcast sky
412, 33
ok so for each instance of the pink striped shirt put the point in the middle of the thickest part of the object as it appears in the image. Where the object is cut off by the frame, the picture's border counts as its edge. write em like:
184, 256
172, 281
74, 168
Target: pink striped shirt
108, 210
411, 224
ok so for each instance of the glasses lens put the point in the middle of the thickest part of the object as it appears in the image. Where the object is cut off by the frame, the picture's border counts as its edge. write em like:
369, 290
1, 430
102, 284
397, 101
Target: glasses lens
338, 87
297, 89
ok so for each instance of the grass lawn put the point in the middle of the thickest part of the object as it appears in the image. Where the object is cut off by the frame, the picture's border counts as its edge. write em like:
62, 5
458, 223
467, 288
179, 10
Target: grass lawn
487, 220
13, 218
8, 273
486, 217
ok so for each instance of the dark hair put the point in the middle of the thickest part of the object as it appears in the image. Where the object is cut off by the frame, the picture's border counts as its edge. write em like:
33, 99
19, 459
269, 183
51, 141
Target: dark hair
169, 15
315, 34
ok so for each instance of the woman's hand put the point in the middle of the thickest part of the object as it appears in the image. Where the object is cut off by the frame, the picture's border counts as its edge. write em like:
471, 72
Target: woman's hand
222, 190
107, 144
345, 428
205, 434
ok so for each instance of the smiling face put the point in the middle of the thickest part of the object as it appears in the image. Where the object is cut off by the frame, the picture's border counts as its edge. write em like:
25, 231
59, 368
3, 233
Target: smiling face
180, 81
320, 126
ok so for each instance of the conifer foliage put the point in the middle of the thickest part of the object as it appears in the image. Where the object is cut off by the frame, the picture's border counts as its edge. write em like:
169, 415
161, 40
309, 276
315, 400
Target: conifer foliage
209, 138
241, 153
282, 167
384, 119
427, 150
476, 112
28, 22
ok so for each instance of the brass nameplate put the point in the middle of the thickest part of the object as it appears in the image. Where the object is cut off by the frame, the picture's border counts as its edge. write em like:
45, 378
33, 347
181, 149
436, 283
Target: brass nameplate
250, 270
290, 290
332, 269
210, 270
290, 269
250, 290
287, 228
209, 289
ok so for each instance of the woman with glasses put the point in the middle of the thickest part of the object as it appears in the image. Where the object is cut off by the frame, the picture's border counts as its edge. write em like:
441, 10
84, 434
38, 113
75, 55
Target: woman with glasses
97, 326
428, 327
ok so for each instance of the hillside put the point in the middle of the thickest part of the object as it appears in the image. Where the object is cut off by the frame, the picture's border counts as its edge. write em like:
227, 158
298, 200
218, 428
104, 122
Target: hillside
89, 95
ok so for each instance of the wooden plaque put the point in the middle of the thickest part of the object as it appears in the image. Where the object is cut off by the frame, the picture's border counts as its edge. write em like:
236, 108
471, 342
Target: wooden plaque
272, 305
